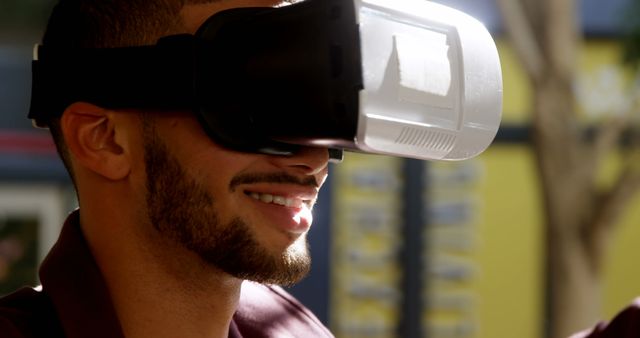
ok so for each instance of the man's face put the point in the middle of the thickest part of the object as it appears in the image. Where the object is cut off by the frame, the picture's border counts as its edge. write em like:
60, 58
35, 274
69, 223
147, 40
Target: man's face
246, 214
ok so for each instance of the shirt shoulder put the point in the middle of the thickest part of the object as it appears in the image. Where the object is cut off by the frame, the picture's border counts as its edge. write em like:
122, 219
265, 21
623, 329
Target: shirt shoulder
626, 324
268, 311
27, 313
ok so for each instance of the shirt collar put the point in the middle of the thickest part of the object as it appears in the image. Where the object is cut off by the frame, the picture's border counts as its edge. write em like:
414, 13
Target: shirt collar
73, 281
71, 278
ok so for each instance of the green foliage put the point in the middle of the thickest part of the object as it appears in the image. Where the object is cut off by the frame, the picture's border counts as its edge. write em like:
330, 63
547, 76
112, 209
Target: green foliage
631, 33
24, 13
18, 253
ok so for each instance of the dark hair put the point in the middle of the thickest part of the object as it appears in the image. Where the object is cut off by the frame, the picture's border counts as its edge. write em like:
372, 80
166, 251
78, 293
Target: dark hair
107, 24
112, 23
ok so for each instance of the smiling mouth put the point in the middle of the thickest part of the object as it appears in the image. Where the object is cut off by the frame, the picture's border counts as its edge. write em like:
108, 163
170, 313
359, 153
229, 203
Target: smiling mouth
280, 200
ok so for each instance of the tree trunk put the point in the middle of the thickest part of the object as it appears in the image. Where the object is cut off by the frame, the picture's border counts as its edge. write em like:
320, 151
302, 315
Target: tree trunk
567, 175
574, 288
579, 217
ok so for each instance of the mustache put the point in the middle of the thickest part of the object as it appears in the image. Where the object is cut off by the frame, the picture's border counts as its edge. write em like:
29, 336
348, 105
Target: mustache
309, 181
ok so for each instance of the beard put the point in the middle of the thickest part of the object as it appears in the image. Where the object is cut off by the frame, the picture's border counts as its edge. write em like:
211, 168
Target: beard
183, 211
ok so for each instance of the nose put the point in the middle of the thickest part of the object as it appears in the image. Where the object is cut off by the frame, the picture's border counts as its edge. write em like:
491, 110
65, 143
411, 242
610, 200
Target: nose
306, 161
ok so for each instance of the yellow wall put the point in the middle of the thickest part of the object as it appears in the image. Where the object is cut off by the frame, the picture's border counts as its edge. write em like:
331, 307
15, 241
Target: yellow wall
622, 276
509, 255
510, 286
621, 273
517, 91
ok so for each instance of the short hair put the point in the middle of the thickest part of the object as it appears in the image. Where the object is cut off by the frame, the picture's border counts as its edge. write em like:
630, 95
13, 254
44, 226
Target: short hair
109, 24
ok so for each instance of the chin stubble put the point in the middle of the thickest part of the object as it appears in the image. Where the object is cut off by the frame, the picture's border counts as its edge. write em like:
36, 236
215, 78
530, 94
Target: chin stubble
183, 211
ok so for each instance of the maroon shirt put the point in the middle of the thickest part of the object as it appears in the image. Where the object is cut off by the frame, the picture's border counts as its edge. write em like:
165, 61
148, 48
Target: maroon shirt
74, 302
625, 325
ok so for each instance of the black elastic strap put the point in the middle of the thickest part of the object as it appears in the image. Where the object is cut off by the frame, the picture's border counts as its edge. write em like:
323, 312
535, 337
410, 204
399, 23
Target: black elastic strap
150, 77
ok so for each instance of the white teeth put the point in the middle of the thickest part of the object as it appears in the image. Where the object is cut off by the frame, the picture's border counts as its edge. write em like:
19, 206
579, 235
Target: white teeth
280, 200
266, 198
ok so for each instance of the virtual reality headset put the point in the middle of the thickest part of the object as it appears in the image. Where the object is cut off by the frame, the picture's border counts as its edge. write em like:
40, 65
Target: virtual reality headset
408, 78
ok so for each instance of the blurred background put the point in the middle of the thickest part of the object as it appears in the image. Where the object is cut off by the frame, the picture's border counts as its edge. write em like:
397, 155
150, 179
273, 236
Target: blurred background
537, 237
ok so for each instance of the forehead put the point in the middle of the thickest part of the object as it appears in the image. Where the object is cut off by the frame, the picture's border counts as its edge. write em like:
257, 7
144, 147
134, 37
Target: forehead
193, 15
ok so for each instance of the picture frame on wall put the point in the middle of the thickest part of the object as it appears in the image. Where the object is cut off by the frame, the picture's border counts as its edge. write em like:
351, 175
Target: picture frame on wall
31, 216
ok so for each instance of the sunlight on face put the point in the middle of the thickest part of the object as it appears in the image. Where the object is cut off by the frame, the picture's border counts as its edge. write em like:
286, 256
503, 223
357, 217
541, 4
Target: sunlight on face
184, 211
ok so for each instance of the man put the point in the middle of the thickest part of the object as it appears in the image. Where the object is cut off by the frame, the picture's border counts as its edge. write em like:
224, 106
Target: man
175, 235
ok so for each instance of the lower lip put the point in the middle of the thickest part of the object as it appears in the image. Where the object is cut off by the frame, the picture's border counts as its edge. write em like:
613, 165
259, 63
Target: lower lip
294, 220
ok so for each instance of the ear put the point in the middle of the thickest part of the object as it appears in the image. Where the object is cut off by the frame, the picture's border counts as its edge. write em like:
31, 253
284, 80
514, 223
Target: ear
90, 133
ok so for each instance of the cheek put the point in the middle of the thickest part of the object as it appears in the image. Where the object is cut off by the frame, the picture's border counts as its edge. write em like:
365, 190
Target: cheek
138, 175
212, 168
138, 165
210, 165
207, 163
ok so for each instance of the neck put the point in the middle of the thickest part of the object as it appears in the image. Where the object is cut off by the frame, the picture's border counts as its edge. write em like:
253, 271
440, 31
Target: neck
158, 288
